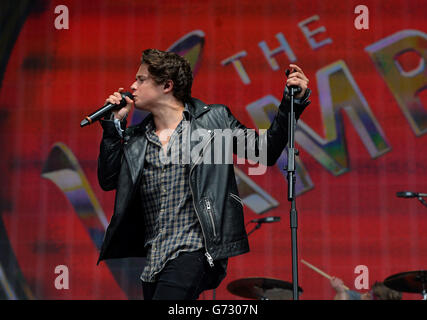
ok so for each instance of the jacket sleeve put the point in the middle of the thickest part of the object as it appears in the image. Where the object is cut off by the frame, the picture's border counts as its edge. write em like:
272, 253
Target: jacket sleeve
110, 155
272, 142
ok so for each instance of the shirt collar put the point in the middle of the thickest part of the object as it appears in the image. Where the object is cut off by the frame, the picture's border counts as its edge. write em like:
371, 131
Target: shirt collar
186, 112
185, 115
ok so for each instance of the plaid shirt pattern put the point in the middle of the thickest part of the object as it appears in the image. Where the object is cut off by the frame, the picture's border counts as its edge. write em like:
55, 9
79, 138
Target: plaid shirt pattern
171, 223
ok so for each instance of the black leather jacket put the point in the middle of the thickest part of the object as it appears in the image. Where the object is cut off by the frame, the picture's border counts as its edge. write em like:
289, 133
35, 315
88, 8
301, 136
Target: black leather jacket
213, 186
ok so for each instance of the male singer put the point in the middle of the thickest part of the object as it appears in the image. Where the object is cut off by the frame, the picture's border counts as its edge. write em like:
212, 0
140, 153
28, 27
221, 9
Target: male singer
185, 217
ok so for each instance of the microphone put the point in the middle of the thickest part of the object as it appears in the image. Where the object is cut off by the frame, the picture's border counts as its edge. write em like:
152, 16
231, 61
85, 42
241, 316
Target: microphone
266, 220
409, 194
98, 114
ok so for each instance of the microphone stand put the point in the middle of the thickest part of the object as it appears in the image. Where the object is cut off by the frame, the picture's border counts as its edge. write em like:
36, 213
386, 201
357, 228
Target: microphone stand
409, 194
258, 225
292, 152
423, 202
259, 222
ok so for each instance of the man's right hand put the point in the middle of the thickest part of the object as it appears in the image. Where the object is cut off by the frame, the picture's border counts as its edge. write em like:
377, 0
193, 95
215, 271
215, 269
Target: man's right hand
115, 98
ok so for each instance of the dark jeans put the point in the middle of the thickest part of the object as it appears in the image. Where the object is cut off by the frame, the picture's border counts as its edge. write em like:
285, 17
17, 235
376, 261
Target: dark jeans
182, 278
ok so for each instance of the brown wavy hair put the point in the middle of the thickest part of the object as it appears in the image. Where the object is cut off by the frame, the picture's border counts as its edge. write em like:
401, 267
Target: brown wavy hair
164, 66
381, 292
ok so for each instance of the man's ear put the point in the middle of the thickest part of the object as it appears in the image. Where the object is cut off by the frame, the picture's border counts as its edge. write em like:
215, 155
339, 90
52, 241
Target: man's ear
168, 85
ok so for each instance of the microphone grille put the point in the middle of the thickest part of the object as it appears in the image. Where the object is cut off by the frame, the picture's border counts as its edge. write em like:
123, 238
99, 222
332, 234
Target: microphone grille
127, 94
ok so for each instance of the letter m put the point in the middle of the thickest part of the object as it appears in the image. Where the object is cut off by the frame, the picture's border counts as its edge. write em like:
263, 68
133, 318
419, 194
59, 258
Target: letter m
339, 92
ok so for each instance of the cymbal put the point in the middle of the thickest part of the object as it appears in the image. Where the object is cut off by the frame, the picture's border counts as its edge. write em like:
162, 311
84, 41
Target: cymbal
412, 281
262, 288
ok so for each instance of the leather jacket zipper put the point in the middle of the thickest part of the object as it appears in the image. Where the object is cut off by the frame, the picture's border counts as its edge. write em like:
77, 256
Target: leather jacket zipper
237, 198
209, 210
207, 254
210, 260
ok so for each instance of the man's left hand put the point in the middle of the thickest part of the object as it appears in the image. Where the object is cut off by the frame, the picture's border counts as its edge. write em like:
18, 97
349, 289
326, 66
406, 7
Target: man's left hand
297, 78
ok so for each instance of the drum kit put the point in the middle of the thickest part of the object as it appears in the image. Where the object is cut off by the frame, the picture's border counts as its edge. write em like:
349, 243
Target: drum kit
412, 282
262, 289
275, 289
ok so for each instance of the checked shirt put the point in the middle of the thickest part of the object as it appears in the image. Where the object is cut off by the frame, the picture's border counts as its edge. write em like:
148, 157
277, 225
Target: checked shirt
171, 223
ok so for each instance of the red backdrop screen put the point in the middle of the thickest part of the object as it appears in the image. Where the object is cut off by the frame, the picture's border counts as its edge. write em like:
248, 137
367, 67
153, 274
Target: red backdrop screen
361, 140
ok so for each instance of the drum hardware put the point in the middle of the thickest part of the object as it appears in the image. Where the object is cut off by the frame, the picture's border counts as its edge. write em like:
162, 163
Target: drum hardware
412, 282
262, 288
